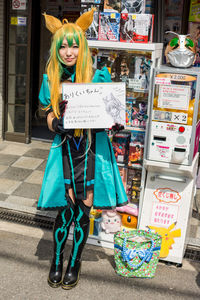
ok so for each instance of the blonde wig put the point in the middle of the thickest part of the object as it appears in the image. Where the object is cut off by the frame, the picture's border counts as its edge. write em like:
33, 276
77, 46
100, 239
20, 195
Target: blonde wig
71, 32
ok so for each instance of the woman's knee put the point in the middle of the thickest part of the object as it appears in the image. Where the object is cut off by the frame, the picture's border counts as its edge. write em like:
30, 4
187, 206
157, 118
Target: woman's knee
89, 200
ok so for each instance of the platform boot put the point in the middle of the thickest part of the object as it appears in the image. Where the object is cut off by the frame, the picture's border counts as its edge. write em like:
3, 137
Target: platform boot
60, 233
81, 231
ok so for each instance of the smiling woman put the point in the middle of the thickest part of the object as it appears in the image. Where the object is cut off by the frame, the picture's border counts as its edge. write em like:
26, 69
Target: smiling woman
74, 171
69, 53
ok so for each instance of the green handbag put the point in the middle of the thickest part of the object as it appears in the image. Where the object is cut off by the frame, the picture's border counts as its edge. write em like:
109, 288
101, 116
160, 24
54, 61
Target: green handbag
136, 253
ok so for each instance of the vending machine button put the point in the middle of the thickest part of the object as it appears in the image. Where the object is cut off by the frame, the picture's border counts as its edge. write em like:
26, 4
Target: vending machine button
181, 129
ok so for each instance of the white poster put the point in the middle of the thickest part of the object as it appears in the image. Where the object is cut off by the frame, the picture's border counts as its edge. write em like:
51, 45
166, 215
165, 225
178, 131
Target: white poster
19, 4
174, 96
94, 105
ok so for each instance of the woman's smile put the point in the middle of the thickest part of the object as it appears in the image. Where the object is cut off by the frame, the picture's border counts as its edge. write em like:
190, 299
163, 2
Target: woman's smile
68, 54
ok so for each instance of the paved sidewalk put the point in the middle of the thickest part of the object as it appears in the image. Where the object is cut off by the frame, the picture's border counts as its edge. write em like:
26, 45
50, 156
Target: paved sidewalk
25, 255
21, 172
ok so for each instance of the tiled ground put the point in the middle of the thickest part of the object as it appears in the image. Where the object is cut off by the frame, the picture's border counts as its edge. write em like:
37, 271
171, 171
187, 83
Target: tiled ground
21, 172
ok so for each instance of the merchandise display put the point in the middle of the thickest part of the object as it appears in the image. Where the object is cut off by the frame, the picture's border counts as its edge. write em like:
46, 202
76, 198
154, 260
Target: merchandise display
130, 63
136, 28
109, 23
111, 221
133, 6
92, 31
172, 158
181, 51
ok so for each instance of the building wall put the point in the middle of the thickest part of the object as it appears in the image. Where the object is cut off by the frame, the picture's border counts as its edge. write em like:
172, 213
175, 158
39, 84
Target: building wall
1, 63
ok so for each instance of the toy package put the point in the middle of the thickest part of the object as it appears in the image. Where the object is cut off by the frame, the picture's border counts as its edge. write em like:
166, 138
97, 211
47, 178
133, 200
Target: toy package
133, 6
123, 67
141, 79
93, 30
136, 149
120, 143
136, 28
129, 105
109, 23
123, 174
139, 114
92, 1
135, 154
112, 6
149, 7
133, 185
106, 59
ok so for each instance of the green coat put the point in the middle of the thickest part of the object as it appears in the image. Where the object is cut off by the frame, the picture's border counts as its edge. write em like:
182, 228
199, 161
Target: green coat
108, 187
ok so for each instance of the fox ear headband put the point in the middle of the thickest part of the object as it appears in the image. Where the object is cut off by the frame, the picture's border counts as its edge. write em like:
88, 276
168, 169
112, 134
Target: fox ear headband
84, 21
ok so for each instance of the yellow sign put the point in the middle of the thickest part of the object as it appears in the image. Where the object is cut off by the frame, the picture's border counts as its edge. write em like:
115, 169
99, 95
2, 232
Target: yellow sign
13, 20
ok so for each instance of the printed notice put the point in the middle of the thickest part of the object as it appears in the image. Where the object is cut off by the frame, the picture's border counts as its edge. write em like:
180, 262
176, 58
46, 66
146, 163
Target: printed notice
174, 97
94, 105
164, 214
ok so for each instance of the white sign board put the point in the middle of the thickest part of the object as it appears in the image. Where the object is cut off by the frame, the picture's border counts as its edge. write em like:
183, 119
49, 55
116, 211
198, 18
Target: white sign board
94, 105
19, 4
174, 96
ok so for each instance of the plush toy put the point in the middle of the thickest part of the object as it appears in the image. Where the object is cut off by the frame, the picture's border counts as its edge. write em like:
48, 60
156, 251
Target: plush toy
131, 209
128, 221
111, 222
129, 215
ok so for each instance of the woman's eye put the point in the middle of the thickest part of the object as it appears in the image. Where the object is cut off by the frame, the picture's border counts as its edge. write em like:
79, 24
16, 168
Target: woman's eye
62, 47
75, 46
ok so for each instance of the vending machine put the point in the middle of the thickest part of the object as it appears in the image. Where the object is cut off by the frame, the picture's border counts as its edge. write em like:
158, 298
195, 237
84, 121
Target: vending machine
171, 158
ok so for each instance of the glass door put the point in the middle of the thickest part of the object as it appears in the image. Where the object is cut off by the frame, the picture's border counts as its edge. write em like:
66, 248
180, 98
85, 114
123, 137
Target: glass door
17, 112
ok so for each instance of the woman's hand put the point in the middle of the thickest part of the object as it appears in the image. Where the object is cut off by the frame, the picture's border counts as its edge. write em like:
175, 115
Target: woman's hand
54, 123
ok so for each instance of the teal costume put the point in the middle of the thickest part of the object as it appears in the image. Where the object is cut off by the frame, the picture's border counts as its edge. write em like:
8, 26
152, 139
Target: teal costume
108, 187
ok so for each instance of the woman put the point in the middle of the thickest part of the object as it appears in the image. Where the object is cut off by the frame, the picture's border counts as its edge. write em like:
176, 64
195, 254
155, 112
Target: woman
81, 170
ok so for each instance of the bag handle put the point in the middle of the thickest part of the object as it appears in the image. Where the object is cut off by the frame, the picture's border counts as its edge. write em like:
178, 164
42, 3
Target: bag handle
145, 255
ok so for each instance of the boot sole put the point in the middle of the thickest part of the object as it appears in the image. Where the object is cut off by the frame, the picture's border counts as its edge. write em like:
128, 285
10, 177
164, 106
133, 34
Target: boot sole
70, 286
54, 285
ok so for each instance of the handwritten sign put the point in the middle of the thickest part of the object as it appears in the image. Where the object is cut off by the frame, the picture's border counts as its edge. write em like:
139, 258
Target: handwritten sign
94, 105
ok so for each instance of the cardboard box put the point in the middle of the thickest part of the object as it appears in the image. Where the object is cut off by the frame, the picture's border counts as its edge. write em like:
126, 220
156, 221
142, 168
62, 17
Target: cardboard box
109, 23
136, 28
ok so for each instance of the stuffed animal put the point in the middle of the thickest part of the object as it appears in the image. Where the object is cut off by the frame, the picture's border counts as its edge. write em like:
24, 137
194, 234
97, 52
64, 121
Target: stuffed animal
128, 221
129, 215
111, 222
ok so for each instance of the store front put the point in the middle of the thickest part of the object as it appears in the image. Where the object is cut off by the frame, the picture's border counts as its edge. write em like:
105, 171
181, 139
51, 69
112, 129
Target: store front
26, 53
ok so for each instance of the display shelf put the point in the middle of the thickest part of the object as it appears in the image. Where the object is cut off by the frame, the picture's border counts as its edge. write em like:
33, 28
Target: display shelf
127, 68
131, 128
125, 46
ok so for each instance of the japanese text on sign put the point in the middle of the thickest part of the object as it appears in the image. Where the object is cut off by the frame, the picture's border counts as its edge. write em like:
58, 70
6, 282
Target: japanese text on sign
163, 214
167, 195
174, 97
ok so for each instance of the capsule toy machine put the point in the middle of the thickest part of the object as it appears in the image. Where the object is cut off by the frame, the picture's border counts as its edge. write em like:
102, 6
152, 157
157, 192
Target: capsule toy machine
171, 158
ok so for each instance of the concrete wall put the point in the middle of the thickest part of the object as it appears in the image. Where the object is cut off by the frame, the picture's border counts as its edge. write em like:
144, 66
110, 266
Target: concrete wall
1, 63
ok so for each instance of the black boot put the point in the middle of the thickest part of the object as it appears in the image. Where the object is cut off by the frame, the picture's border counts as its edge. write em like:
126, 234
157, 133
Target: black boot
60, 234
81, 231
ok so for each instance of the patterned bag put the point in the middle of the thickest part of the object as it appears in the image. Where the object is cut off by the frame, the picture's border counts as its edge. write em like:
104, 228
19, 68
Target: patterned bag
136, 253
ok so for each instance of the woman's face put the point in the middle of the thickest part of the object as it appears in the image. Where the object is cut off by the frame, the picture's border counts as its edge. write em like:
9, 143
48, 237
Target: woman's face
68, 54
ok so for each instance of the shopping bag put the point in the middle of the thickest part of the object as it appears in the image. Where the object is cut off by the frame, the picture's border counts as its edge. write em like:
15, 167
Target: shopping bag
136, 253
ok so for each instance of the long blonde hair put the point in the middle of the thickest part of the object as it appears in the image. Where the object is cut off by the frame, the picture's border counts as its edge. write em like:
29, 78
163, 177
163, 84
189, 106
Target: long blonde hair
55, 70
84, 74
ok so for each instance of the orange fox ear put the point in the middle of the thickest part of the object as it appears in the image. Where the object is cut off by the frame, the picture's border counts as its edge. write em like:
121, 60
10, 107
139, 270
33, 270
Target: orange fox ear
85, 20
52, 23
